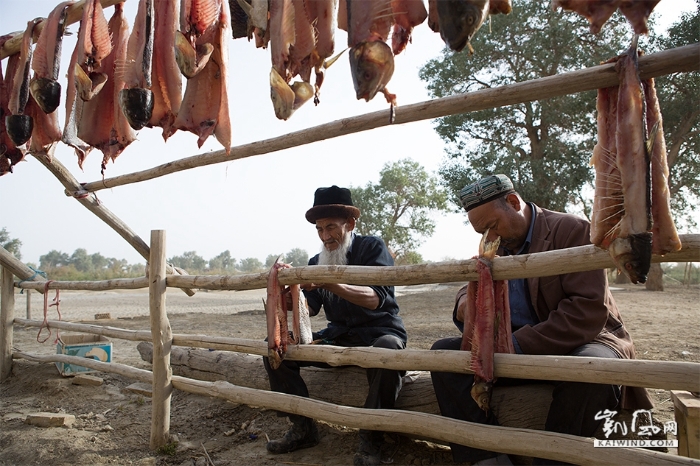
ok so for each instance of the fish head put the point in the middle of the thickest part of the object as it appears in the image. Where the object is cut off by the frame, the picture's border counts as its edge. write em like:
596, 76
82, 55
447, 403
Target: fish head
632, 255
191, 60
459, 20
371, 66
137, 106
488, 248
282, 96
46, 93
19, 128
481, 393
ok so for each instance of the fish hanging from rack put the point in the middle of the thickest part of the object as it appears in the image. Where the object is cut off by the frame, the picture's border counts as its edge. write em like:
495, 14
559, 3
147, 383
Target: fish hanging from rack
136, 99
93, 45
597, 12
458, 21
19, 124
103, 125
485, 311
10, 154
276, 312
205, 108
166, 80
631, 211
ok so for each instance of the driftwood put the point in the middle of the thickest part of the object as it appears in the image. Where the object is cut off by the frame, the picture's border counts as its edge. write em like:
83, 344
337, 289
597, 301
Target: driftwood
681, 59
524, 442
7, 315
18, 268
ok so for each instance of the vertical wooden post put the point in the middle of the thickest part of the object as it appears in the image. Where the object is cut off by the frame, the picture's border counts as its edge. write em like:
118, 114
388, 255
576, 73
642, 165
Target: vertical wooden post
162, 343
7, 316
29, 303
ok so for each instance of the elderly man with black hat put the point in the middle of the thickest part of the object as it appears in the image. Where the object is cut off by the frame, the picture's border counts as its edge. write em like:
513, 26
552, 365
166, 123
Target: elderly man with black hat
357, 315
571, 314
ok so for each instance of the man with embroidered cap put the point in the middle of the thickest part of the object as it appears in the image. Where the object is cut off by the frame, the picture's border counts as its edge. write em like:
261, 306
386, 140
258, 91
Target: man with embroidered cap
357, 316
571, 314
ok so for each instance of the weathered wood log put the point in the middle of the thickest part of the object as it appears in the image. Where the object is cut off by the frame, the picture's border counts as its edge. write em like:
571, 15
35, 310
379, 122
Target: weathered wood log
656, 64
7, 316
524, 407
523, 442
20, 270
541, 264
75, 12
89, 285
162, 336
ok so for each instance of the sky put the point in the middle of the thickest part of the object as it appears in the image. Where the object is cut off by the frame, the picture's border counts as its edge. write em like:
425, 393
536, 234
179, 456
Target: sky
253, 207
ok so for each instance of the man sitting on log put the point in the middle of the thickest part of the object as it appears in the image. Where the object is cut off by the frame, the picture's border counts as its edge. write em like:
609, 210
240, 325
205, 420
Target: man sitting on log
571, 314
357, 315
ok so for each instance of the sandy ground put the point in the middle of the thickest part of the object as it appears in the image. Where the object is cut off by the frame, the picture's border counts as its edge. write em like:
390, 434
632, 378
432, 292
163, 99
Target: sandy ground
113, 425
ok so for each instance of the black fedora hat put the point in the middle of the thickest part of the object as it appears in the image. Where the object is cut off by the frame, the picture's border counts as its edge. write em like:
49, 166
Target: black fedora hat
332, 202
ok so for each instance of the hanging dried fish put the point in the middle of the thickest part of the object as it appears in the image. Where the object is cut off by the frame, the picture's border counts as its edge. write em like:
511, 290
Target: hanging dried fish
10, 154
19, 125
597, 12
136, 99
44, 85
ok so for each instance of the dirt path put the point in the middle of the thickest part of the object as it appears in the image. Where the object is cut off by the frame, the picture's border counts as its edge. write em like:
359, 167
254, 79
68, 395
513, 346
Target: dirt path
113, 426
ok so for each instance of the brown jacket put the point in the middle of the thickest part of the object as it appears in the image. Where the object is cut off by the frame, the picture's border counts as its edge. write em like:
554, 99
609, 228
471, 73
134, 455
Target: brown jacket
575, 308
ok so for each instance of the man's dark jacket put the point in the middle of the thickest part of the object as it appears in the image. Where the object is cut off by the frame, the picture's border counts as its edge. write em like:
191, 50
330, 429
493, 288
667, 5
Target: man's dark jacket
353, 321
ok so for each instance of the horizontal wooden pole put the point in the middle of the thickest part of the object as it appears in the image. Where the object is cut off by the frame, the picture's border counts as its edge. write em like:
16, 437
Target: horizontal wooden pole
20, 270
524, 442
106, 331
90, 285
681, 59
75, 13
541, 264
667, 375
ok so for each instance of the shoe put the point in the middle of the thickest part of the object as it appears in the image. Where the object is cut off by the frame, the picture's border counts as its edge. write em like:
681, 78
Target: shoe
302, 434
370, 449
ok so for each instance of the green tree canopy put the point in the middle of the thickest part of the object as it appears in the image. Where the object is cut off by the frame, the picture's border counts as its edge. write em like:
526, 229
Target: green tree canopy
12, 245
297, 257
190, 261
398, 208
53, 258
544, 146
223, 262
251, 264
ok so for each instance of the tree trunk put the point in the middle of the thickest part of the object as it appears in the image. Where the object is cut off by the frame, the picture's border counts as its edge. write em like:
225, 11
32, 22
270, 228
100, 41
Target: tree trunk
655, 278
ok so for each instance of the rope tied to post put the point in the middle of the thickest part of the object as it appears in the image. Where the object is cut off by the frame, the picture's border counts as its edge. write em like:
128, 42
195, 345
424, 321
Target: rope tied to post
45, 323
31, 279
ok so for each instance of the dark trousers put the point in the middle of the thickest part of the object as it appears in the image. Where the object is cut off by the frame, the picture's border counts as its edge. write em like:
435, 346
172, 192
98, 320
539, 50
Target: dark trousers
384, 384
573, 409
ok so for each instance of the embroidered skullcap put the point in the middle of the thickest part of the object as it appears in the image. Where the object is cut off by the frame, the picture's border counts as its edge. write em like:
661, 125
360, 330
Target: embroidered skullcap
485, 190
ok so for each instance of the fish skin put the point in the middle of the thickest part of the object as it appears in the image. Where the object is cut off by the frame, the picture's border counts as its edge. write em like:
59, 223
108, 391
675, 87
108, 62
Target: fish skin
632, 255
136, 99
10, 154
637, 13
44, 86
46, 132
204, 110
664, 234
597, 12
459, 20
166, 79
19, 126
371, 66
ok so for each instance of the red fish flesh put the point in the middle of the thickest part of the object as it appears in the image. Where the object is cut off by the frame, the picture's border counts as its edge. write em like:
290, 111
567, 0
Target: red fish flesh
103, 125
631, 210
487, 329
276, 309
204, 110
166, 79
597, 12
407, 15
94, 44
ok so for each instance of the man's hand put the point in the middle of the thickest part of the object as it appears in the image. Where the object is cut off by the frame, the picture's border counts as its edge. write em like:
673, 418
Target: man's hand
363, 296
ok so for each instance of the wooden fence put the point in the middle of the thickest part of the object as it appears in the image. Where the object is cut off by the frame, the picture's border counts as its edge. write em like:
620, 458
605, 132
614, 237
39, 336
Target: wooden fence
669, 375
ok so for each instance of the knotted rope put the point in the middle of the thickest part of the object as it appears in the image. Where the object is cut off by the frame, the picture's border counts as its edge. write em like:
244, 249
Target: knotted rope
45, 323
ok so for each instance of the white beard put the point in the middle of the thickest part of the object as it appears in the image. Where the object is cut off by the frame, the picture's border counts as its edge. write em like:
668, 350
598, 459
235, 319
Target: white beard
339, 256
